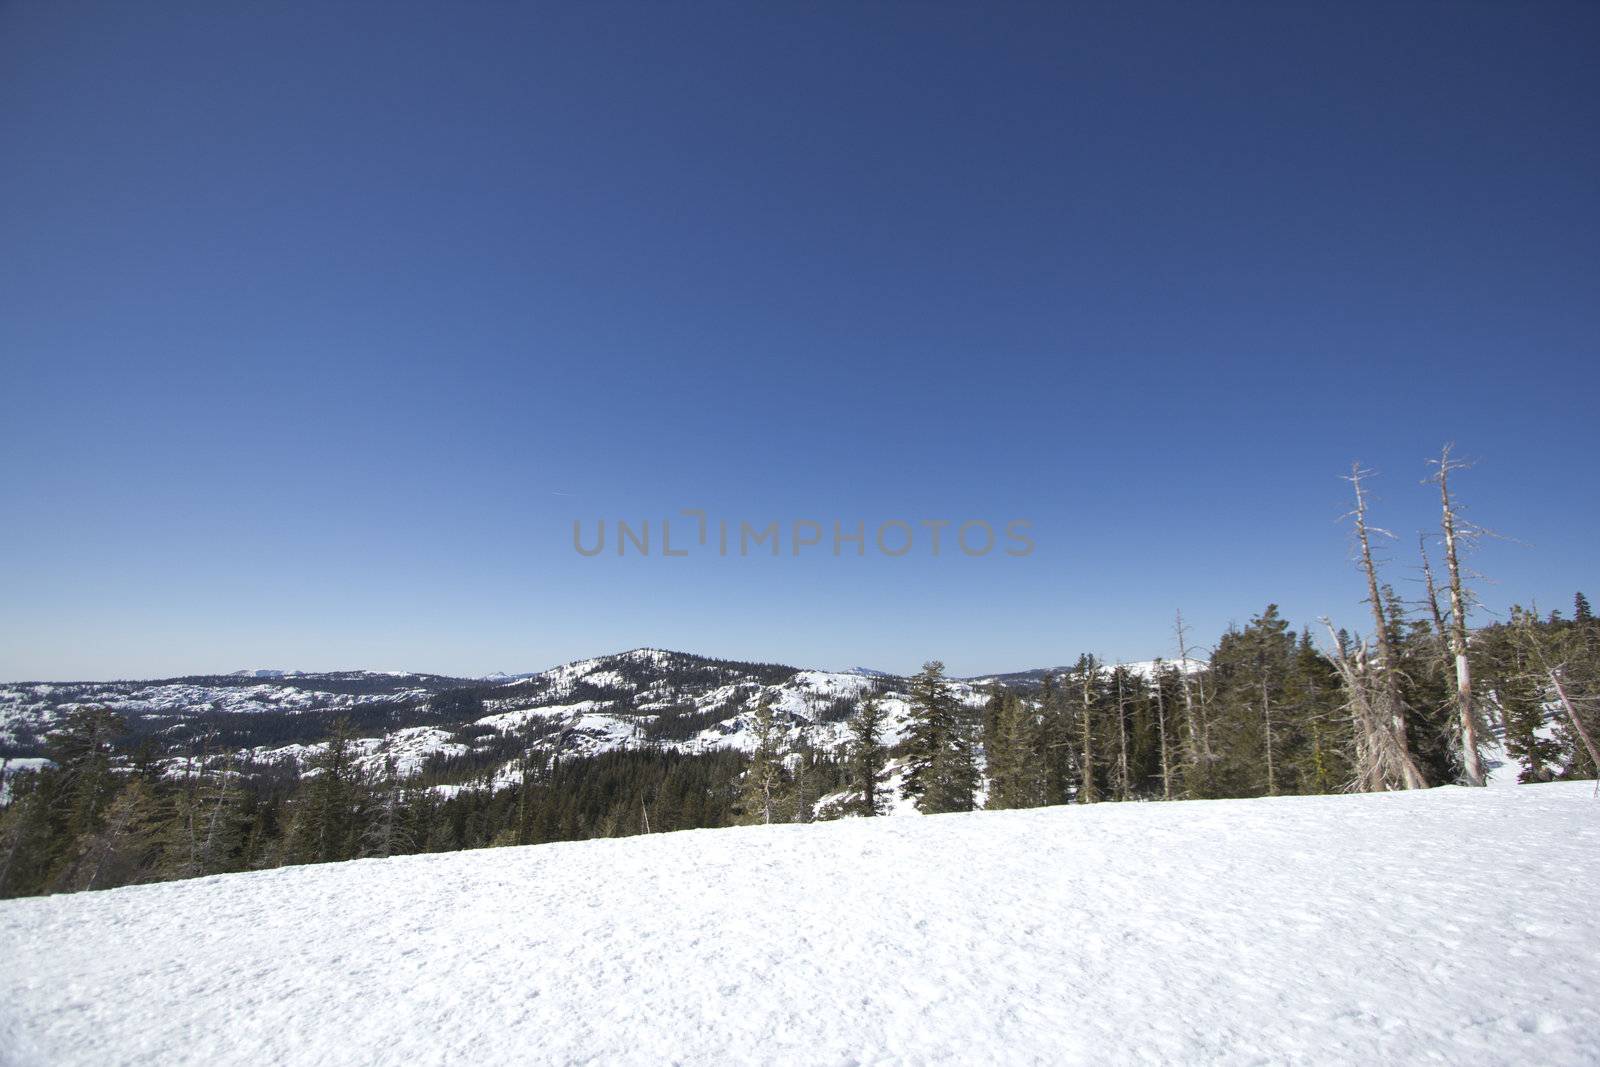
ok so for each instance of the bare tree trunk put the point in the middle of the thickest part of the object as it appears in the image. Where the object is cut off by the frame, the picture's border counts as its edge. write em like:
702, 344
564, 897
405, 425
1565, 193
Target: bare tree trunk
1266, 716
1161, 732
1471, 765
1087, 793
1198, 743
216, 813
1377, 759
1392, 706
1122, 741
1577, 723
1439, 630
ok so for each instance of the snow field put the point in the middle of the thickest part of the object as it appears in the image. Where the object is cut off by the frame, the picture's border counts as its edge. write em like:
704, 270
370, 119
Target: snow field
1444, 926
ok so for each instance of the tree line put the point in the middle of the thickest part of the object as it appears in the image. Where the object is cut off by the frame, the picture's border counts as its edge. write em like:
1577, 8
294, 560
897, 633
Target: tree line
1269, 711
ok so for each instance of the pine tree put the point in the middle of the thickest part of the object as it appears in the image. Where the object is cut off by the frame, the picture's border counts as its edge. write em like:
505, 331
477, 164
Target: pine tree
804, 791
123, 850
764, 779
956, 779
1012, 747
386, 833
941, 770
1317, 738
868, 759
82, 750
324, 827
1251, 668
931, 724
1086, 685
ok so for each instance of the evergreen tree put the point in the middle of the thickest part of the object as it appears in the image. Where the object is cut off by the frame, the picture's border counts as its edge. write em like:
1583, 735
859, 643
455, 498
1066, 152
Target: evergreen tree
1087, 686
1057, 750
1251, 670
1012, 746
804, 791
868, 759
941, 770
932, 723
324, 827
386, 833
82, 751
25, 834
123, 850
764, 779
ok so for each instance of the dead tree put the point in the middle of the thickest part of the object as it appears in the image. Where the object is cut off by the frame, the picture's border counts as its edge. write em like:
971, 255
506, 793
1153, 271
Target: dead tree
1380, 760
1378, 681
1197, 742
1440, 634
1161, 732
1554, 672
1123, 785
1087, 793
1471, 764
1577, 723
1266, 718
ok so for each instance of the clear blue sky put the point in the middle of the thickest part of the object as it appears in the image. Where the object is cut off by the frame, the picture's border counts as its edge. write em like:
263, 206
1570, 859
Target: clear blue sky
320, 323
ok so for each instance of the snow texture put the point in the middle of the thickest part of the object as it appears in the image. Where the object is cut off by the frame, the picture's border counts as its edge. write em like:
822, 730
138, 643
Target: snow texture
1446, 926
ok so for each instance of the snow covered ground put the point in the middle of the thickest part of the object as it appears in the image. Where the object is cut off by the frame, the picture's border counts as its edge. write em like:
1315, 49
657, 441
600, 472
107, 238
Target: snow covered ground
1446, 926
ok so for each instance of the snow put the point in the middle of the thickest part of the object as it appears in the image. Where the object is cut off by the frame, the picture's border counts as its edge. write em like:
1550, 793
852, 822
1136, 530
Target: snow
1444, 926
10, 766
510, 721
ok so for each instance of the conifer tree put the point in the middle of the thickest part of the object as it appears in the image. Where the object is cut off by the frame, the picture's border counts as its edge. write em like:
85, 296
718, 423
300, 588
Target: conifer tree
1012, 746
932, 723
123, 849
82, 751
804, 807
956, 779
324, 828
941, 771
385, 833
1056, 749
868, 758
763, 781
25, 833
1086, 683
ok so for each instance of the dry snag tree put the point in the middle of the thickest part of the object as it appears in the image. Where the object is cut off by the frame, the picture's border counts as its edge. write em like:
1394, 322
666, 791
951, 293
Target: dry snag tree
1454, 533
1377, 710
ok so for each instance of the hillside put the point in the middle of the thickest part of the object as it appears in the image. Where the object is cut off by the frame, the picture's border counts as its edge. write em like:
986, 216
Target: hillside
463, 730
1449, 925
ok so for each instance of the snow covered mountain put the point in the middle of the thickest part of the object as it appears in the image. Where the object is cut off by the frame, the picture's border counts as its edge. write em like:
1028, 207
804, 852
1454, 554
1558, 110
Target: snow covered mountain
468, 729
1027, 680
474, 730
1439, 926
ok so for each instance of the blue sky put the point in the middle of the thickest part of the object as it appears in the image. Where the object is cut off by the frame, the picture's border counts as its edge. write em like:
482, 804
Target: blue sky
320, 325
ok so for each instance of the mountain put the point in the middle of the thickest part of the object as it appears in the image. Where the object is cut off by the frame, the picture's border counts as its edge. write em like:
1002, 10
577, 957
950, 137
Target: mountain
467, 731
1033, 679
472, 732
1437, 926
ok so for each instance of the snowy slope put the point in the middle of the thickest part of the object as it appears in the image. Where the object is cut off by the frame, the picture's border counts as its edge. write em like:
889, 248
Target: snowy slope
1445, 926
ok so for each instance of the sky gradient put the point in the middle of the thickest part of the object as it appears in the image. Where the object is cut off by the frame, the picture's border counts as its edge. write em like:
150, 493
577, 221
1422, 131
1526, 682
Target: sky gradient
320, 325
